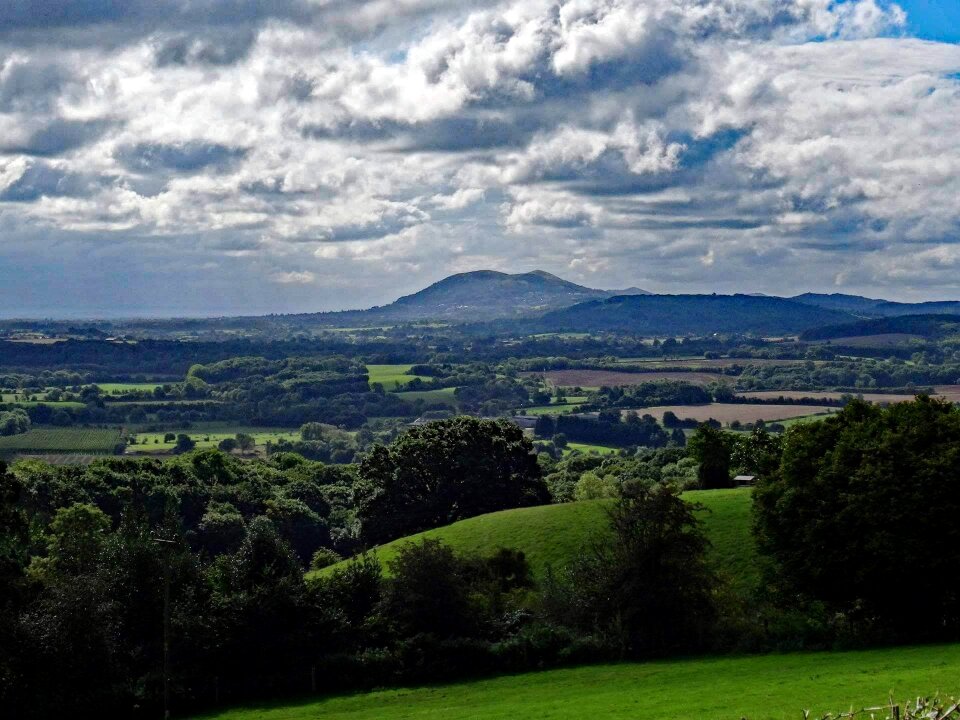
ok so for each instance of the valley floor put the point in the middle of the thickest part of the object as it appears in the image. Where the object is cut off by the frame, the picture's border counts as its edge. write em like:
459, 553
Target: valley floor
754, 687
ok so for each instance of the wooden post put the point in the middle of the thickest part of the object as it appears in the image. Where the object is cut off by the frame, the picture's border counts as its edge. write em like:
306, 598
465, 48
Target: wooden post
313, 679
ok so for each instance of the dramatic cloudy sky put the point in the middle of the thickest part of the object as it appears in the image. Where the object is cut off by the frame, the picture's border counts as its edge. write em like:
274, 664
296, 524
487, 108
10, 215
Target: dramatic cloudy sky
244, 156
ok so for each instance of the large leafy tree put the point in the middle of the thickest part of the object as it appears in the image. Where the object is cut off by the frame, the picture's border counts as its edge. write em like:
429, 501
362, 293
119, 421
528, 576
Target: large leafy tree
647, 588
445, 471
863, 515
711, 448
757, 453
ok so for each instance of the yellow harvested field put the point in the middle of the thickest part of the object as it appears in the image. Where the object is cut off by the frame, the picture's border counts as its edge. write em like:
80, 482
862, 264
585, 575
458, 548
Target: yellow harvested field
726, 413
879, 398
947, 392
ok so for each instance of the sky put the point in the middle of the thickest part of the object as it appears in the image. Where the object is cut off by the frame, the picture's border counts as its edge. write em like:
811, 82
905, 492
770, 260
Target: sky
225, 157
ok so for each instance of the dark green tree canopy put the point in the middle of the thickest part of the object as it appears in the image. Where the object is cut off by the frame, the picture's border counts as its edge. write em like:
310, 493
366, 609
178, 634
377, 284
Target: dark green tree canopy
650, 589
710, 447
863, 514
445, 471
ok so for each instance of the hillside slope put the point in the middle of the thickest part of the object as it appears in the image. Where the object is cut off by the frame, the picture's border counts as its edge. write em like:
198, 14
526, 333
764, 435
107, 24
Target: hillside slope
690, 314
552, 535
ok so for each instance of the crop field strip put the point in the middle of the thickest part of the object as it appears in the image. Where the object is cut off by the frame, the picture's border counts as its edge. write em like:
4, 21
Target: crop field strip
61, 458
873, 397
729, 412
62, 440
946, 392
708, 364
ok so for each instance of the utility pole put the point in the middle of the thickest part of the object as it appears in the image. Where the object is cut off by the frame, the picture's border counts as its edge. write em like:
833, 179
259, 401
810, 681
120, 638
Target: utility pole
167, 545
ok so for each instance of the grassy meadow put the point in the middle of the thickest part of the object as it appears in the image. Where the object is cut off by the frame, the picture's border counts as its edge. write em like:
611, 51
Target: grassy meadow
589, 449
444, 396
148, 442
10, 398
120, 388
768, 687
571, 403
390, 375
551, 535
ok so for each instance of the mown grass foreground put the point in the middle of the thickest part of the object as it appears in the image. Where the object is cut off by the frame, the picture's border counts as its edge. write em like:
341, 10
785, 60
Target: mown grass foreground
765, 687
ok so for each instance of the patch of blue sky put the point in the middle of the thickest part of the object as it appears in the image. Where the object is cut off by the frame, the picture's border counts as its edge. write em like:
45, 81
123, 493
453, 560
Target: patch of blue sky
933, 19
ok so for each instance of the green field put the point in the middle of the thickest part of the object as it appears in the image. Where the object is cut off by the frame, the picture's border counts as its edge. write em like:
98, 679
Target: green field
551, 535
390, 375
590, 449
9, 398
571, 404
804, 419
442, 395
768, 687
120, 388
61, 440
153, 441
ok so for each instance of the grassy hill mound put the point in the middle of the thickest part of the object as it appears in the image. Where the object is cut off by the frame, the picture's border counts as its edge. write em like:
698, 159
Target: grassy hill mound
551, 535
770, 686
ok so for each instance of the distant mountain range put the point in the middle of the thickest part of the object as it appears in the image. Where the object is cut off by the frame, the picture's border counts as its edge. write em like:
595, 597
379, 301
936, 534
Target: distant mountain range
534, 302
872, 308
479, 296
540, 302
690, 314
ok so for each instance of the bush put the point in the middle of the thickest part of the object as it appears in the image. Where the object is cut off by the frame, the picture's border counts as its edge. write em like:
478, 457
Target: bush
324, 557
14, 422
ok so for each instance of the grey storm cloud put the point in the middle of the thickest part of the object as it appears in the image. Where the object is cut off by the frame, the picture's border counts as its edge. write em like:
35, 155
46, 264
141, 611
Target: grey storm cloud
59, 136
186, 157
30, 87
360, 148
220, 48
41, 179
145, 14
